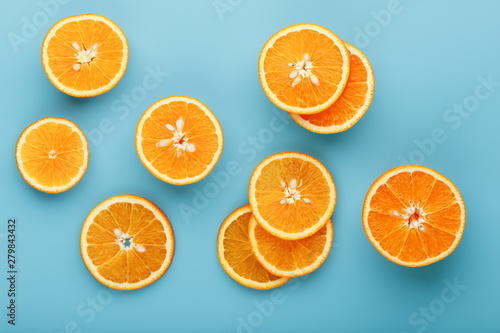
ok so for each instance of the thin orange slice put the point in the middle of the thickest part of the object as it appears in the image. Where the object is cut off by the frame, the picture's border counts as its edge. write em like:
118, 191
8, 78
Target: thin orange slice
290, 258
179, 140
52, 154
85, 55
304, 68
351, 105
236, 255
292, 195
127, 242
414, 216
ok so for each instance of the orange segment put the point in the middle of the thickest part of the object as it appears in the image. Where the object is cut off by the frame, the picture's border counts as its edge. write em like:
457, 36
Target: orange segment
413, 215
179, 140
304, 68
52, 154
236, 256
351, 105
127, 242
290, 258
292, 195
85, 55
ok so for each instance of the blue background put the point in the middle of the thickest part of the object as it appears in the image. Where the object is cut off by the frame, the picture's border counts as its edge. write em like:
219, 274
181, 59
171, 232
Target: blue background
427, 57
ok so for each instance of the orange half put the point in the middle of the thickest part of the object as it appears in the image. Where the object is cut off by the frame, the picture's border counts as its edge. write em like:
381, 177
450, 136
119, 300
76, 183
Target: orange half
413, 215
179, 140
52, 154
290, 258
236, 255
292, 195
304, 68
351, 105
127, 242
85, 55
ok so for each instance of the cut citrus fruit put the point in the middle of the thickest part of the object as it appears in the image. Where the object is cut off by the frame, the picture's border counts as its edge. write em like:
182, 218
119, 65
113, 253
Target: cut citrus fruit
236, 255
290, 258
179, 140
413, 215
304, 68
351, 105
292, 195
52, 154
85, 55
127, 242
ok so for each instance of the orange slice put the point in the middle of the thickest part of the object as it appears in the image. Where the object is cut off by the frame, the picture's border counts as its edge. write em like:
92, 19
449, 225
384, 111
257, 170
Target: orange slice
292, 195
179, 140
290, 258
127, 242
351, 105
52, 154
304, 68
85, 55
413, 215
236, 256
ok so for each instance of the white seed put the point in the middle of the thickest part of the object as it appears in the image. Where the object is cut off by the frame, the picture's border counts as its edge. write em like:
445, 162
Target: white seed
94, 47
421, 228
307, 200
180, 124
296, 81
170, 127
190, 147
179, 152
76, 46
140, 248
314, 79
117, 232
290, 64
282, 201
294, 73
163, 143
76, 67
293, 183
306, 57
283, 184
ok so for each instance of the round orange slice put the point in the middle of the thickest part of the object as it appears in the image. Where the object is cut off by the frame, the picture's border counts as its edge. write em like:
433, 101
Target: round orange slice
413, 215
85, 55
351, 105
179, 140
290, 258
304, 68
127, 242
292, 195
52, 154
236, 255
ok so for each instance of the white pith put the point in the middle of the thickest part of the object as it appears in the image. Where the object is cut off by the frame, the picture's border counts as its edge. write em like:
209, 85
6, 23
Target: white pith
292, 193
122, 239
302, 69
178, 137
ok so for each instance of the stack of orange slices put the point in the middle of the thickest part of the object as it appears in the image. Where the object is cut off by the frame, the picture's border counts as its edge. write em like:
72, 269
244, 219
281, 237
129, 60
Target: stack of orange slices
287, 230
324, 83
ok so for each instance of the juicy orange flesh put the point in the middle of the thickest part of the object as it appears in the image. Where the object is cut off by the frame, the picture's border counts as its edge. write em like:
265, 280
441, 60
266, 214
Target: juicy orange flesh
59, 141
327, 64
290, 255
352, 99
298, 216
198, 129
121, 265
238, 252
94, 74
437, 201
